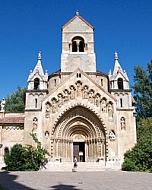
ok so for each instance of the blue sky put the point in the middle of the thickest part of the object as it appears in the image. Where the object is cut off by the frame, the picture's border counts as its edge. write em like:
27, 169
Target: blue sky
30, 26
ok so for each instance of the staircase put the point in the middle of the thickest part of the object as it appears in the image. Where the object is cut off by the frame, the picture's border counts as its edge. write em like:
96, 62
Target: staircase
68, 166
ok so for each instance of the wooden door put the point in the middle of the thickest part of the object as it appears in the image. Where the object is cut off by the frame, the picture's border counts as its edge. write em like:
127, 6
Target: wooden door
76, 150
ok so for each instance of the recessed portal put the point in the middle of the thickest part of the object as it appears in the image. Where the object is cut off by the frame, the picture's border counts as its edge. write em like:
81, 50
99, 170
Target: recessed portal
79, 151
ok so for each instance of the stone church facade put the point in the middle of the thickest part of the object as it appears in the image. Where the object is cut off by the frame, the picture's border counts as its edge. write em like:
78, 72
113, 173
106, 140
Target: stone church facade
77, 110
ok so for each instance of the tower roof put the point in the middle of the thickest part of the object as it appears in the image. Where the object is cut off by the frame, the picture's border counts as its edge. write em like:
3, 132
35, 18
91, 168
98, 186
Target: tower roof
75, 17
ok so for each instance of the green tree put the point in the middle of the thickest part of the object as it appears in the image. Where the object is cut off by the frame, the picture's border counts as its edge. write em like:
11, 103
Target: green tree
16, 101
26, 158
143, 91
140, 157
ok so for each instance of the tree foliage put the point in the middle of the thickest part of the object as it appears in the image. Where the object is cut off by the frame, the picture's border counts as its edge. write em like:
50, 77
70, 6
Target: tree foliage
143, 91
26, 158
139, 158
16, 101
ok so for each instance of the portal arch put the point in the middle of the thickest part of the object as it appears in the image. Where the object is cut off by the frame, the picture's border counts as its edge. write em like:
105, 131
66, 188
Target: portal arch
79, 124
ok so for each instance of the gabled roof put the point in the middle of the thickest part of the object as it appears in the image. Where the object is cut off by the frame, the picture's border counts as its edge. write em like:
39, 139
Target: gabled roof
78, 16
73, 73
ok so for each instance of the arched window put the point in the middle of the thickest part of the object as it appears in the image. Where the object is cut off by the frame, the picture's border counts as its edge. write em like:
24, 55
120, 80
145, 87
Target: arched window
36, 83
35, 102
77, 44
120, 83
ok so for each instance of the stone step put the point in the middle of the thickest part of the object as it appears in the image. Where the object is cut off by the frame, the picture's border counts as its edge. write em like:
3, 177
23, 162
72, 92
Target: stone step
68, 166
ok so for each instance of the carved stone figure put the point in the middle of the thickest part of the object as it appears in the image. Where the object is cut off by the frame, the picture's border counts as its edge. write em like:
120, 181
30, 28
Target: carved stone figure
66, 95
97, 100
110, 110
103, 105
60, 100
54, 106
47, 113
72, 95
85, 92
3, 104
123, 123
91, 97
78, 89
35, 121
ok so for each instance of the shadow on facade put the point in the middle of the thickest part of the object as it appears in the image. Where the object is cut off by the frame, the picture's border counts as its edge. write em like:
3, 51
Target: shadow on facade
9, 181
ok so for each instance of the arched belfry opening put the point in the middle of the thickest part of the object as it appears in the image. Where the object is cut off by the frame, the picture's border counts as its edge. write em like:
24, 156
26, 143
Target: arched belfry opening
120, 83
36, 83
78, 44
79, 133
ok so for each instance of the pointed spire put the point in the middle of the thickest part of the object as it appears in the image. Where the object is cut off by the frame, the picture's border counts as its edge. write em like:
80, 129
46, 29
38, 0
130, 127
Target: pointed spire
117, 66
38, 68
38, 73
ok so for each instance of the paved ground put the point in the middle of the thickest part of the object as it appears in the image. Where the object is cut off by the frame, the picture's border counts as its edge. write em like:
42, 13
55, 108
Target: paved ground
106, 180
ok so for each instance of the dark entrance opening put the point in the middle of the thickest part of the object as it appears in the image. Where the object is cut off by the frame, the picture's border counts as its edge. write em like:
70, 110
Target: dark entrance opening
79, 151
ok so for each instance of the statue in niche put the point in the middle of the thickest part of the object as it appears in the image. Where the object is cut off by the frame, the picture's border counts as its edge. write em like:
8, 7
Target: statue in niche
110, 110
35, 122
54, 107
123, 123
47, 113
60, 100
66, 95
72, 95
85, 92
2, 105
91, 97
78, 89
103, 105
97, 100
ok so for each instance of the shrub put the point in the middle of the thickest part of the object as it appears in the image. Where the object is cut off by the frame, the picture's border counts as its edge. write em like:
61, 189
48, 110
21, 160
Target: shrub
26, 158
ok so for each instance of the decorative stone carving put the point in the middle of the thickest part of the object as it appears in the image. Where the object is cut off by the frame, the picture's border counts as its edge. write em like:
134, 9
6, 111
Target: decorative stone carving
97, 100
103, 105
79, 89
2, 105
85, 92
110, 110
123, 123
72, 91
60, 100
47, 112
112, 135
91, 96
35, 122
66, 95
54, 106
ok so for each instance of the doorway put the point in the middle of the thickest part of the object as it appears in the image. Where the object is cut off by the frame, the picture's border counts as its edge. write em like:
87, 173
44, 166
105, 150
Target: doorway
79, 151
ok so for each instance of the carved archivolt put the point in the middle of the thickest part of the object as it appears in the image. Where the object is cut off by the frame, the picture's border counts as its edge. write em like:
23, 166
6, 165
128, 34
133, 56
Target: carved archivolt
80, 116
79, 91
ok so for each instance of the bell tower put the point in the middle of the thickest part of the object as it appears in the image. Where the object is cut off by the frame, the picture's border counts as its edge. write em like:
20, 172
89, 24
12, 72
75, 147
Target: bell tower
78, 46
37, 86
